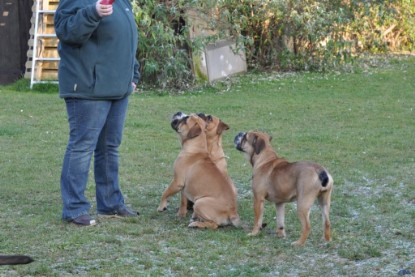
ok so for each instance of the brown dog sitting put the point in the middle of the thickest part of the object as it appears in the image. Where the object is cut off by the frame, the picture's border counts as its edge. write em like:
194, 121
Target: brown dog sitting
200, 179
214, 130
280, 181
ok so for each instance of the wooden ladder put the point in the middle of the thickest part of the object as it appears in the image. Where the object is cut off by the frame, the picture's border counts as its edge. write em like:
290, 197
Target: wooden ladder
45, 57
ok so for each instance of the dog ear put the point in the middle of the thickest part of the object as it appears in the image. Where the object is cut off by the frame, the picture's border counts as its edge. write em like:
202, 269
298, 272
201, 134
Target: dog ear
202, 116
258, 144
222, 127
194, 131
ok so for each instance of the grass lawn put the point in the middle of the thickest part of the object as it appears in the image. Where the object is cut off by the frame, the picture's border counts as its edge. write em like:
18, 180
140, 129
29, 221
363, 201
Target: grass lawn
359, 125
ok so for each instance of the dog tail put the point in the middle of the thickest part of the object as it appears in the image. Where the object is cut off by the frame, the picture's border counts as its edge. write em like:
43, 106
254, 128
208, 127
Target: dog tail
326, 180
15, 259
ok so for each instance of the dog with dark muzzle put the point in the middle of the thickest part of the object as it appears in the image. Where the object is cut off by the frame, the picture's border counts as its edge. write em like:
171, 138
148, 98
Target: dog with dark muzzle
214, 130
279, 181
200, 180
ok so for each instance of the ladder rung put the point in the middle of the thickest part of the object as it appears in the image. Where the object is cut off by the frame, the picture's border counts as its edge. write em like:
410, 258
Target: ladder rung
41, 14
47, 11
47, 59
46, 35
45, 82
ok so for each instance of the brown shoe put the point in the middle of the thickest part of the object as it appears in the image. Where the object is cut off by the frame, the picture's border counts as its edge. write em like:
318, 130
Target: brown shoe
84, 220
122, 212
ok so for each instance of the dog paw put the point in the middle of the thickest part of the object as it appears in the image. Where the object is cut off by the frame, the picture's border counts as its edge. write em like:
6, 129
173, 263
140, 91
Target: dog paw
253, 233
161, 209
297, 243
193, 224
280, 233
181, 214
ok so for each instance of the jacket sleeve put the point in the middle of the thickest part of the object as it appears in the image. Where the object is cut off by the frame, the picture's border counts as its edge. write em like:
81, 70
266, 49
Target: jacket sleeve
74, 22
136, 74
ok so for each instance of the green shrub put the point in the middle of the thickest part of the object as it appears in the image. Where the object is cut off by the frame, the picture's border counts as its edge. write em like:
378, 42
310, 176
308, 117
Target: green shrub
163, 47
288, 35
277, 34
382, 26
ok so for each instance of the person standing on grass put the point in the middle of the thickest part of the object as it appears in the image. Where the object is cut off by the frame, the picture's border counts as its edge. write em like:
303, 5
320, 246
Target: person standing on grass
98, 70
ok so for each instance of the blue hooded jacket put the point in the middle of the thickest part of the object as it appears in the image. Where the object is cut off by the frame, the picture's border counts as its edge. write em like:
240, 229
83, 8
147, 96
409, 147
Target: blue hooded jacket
98, 55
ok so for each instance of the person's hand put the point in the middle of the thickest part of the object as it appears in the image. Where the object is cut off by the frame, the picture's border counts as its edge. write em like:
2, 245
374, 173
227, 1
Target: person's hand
134, 85
103, 10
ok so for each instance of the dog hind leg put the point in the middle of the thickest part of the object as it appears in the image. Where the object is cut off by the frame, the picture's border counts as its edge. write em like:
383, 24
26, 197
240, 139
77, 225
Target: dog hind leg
280, 220
203, 225
259, 213
303, 211
324, 201
207, 214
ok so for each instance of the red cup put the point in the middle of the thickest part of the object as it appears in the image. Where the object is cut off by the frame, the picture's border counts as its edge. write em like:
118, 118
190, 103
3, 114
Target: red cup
107, 2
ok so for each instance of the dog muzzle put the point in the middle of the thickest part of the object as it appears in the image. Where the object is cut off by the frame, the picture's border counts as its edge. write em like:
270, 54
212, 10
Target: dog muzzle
178, 115
238, 141
176, 119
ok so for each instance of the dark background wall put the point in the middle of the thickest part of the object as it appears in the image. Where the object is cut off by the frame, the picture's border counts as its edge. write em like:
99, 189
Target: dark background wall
15, 25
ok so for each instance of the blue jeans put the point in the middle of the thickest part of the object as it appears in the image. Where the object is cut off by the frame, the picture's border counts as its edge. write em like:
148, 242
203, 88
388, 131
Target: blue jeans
96, 127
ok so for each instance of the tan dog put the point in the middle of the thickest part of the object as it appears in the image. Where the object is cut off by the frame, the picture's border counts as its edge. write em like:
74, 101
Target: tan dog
280, 181
200, 179
214, 130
